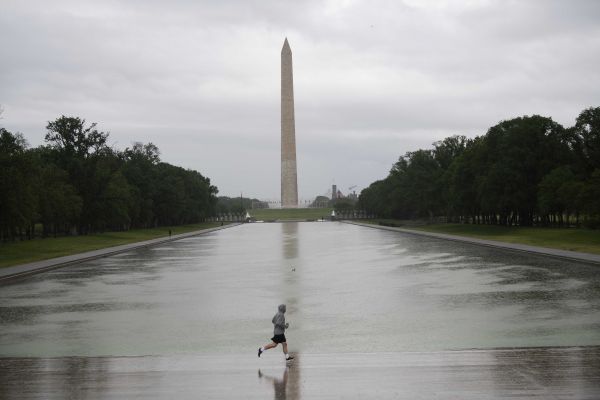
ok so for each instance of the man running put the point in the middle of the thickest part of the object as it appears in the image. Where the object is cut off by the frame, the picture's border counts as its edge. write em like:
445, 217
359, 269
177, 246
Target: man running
278, 333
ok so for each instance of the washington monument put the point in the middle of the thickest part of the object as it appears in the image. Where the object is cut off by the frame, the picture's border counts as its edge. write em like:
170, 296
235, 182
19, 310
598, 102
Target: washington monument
289, 180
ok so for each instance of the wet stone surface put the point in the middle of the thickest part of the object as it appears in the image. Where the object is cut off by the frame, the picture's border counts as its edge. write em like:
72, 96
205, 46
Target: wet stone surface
351, 293
543, 373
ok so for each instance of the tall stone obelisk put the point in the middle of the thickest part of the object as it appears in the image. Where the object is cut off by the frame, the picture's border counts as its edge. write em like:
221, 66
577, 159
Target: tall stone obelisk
289, 176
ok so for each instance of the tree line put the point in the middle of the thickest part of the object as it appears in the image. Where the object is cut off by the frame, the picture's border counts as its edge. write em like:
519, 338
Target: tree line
524, 171
77, 184
238, 205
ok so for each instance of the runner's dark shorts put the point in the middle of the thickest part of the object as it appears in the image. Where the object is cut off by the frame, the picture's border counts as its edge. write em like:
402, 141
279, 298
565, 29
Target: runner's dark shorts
278, 338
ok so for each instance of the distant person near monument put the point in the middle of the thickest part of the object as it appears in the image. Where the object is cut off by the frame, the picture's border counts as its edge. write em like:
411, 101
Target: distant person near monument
278, 333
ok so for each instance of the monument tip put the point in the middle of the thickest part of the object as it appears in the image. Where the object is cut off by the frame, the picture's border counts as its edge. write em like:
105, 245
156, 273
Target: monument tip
286, 45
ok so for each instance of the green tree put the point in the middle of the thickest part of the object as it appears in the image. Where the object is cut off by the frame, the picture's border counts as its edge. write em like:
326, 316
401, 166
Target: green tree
557, 195
586, 140
414, 193
375, 198
445, 153
516, 155
72, 138
140, 169
115, 203
590, 199
343, 205
59, 204
18, 200
321, 202
82, 152
462, 183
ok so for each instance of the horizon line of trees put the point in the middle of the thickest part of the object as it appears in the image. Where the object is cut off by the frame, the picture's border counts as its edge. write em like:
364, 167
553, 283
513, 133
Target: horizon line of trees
76, 184
524, 171
238, 205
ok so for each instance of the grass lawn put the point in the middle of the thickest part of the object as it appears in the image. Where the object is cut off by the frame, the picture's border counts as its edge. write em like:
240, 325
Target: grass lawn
272, 214
584, 240
14, 253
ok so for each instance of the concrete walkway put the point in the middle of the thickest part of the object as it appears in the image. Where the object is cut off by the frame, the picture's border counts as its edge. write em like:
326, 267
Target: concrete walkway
532, 373
565, 254
19, 271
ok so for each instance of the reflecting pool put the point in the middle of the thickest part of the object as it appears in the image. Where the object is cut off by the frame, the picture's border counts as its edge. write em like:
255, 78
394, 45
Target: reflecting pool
348, 289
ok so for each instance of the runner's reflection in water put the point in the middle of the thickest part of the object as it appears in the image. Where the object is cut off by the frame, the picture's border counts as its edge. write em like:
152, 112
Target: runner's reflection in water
279, 384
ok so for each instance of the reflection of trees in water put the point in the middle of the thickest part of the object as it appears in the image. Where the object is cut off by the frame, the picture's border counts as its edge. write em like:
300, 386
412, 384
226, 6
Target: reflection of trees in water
288, 385
289, 235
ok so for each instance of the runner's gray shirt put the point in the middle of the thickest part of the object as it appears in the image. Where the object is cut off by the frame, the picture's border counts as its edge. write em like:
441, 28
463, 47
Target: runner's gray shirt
279, 321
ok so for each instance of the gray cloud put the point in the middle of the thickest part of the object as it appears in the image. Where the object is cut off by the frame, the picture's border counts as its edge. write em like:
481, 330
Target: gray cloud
372, 79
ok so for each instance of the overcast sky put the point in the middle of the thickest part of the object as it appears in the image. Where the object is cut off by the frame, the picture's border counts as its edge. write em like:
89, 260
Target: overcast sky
372, 79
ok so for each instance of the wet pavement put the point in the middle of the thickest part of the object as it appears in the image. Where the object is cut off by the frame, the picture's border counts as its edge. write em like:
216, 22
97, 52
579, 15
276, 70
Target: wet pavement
556, 373
370, 311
